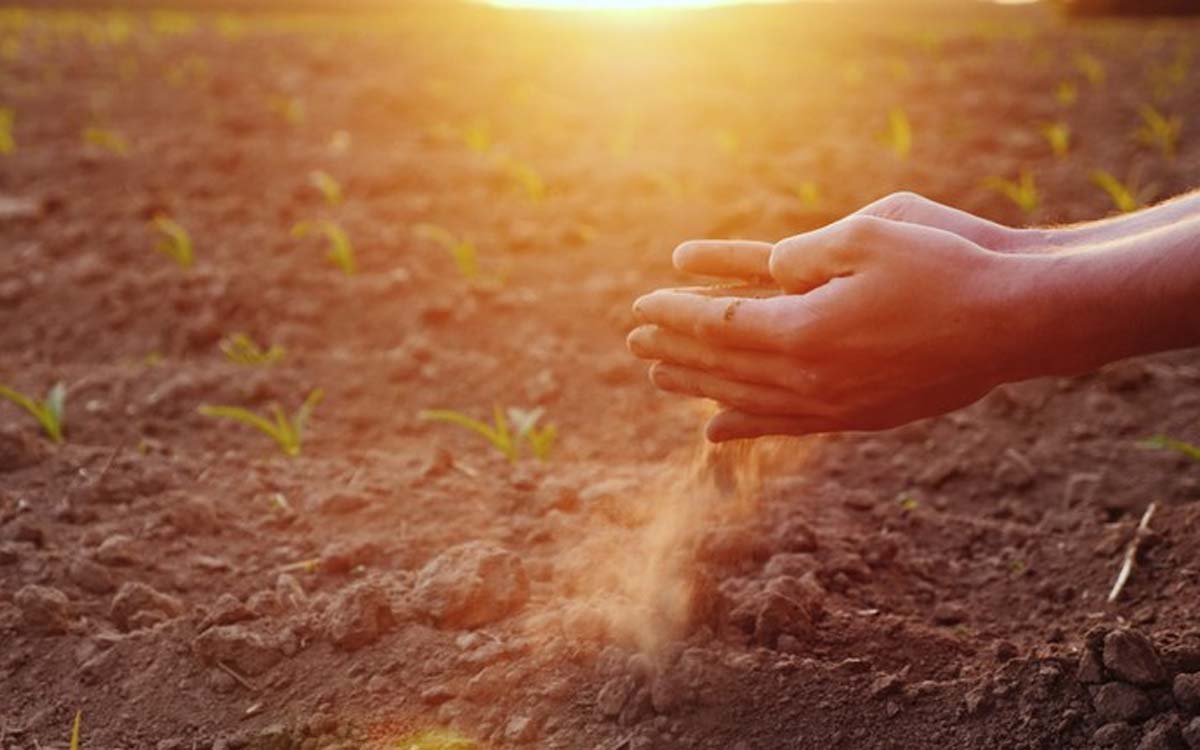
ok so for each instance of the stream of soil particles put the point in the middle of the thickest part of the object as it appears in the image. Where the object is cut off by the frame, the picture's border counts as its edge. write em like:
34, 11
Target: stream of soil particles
448, 207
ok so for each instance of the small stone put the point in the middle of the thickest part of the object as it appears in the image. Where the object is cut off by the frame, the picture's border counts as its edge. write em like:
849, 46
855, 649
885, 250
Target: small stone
341, 503
134, 597
472, 584
1165, 736
1115, 734
90, 576
1120, 701
43, 608
227, 611
1191, 733
949, 613
1090, 670
521, 729
246, 651
1130, 656
118, 549
358, 616
1187, 691
887, 684
273, 737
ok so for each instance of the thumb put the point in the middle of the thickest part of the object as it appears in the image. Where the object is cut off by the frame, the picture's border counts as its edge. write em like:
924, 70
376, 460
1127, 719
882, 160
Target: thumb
802, 263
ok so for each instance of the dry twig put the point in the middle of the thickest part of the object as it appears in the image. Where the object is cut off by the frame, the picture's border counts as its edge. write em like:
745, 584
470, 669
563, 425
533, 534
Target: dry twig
1131, 553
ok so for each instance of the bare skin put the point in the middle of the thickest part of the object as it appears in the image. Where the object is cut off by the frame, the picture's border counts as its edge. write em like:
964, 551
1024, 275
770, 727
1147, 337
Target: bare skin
908, 309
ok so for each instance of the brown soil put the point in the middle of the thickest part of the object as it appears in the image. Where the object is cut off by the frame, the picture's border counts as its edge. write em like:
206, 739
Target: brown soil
184, 585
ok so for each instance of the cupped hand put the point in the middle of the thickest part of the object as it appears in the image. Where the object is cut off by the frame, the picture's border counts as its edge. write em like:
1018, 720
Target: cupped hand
877, 322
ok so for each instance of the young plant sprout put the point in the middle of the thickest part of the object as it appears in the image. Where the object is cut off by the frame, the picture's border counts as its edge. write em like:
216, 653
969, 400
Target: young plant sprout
175, 241
478, 136
461, 249
8, 144
286, 432
241, 349
49, 412
1058, 135
326, 185
106, 139
526, 177
1091, 67
500, 434
809, 193
341, 252
898, 136
1158, 130
1162, 442
290, 108
1022, 191
75, 730
1066, 93
1123, 197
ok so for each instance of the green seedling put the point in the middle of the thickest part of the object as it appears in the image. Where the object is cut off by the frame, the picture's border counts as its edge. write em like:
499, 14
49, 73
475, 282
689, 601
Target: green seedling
286, 432
241, 349
809, 194
461, 249
436, 739
526, 177
106, 139
1022, 191
75, 730
540, 439
1159, 131
1058, 136
898, 136
341, 252
1091, 67
501, 433
1066, 93
1162, 442
8, 143
1123, 197
326, 185
290, 108
1166, 78
175, 241
49, 412
478, 136
908, 503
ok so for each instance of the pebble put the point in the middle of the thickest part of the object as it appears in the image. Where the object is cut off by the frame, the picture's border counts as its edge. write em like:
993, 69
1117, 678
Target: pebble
1130, 656
1115, 734
1120, 701
248, 652
134, 598
90, 576
1187, 691
472, 584
43, 608
1090, 670
118, 550
1191, 733
358, 616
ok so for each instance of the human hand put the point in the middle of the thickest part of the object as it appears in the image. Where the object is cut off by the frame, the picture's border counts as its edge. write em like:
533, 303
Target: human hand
880, 322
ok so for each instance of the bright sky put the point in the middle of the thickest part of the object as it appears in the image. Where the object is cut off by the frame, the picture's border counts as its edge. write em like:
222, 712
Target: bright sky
614, 4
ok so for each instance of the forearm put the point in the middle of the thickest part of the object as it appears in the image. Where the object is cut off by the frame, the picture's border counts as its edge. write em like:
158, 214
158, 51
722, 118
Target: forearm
1094, 233
1130, 296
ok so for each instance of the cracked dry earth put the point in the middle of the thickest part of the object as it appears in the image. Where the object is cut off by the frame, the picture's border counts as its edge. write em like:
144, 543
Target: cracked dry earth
399, 584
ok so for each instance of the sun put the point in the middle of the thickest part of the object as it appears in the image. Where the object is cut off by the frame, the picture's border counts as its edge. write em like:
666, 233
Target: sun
615, 4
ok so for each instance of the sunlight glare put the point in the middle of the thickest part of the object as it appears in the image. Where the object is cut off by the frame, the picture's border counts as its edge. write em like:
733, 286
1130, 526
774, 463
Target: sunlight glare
618, 4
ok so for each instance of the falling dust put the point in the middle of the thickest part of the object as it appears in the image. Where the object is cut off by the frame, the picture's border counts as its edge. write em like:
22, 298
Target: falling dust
629, 575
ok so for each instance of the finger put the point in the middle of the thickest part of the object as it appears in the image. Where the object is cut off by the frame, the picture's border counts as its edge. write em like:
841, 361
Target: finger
772, 324
916, 209
748, 397
747, 366
807, 261
744, 259
737, 425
